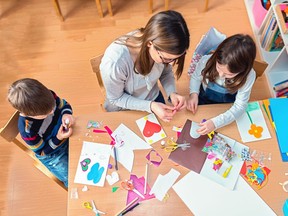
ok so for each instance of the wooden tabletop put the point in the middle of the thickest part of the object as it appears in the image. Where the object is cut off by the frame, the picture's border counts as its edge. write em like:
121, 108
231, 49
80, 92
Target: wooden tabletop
111, 203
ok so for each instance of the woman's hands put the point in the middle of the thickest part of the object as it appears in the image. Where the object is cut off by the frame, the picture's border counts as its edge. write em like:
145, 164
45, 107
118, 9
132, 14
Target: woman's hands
166, 112
163, 111
178, 101
192, 102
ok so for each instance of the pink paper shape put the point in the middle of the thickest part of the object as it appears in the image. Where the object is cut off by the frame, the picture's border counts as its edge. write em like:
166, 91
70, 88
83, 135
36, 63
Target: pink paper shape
138, 185
152, 155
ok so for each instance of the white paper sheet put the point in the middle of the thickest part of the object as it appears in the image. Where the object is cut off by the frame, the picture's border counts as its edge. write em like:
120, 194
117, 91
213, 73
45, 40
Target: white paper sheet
93, 163
244, 124
205, 197
163, 183
131, 141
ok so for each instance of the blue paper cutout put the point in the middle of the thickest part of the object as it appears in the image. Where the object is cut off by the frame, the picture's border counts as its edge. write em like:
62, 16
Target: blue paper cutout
95, 173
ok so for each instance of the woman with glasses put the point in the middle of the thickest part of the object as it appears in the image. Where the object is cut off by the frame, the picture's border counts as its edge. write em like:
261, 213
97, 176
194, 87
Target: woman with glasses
133, 64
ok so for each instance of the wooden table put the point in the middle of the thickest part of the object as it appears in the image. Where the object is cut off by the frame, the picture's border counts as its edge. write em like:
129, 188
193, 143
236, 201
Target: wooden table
111, 203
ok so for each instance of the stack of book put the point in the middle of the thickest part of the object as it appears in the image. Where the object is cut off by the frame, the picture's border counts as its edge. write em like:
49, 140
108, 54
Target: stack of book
271, 39
281, 88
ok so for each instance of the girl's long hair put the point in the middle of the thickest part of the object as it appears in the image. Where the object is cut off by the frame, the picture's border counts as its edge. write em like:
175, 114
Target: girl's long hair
238, 53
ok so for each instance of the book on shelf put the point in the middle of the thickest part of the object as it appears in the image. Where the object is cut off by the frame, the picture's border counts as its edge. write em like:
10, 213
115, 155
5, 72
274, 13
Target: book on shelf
267, 31
282, 13
267, 25
277, 42
271, 39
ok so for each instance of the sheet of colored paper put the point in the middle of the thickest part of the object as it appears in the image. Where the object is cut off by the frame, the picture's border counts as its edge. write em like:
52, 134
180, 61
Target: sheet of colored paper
93, 163
151, 129
138, 184
266, 105
205, 197
193, 157
130, 141
245, 126
280, 116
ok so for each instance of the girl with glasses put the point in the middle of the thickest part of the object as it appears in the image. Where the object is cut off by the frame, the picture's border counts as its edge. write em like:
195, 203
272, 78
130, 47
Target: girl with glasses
226, 76
134, 63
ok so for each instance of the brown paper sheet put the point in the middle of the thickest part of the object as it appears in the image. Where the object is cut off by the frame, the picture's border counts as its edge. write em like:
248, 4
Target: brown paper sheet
192, 158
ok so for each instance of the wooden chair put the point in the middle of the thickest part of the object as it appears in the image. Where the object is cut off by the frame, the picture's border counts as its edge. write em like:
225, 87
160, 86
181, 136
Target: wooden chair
167, 5
10, 132
259, 67
95, 63
98, 5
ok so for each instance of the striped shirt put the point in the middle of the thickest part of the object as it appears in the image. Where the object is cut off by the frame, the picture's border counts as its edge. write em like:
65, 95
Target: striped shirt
40, 134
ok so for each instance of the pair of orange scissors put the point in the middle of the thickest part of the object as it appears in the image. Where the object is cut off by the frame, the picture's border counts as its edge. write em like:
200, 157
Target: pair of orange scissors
92, 207
128, 185
172, 146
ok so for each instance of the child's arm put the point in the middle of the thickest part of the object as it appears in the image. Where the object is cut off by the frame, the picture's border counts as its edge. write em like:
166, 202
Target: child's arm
240, 104
31, 131
195, 83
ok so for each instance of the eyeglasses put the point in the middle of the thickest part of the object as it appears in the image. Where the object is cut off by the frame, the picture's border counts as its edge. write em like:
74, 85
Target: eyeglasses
166, 60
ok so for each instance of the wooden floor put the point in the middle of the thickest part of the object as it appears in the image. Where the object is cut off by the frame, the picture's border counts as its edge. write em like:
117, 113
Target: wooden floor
34, 43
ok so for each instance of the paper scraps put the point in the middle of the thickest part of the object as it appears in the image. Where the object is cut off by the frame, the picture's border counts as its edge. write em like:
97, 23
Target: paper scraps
163, 183
113, 178
154, 157
138, 184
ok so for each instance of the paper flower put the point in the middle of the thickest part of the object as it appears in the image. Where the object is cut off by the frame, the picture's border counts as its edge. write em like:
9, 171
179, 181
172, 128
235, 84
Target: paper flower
255, 130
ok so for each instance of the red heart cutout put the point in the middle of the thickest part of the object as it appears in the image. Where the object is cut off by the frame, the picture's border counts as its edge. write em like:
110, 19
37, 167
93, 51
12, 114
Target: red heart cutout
150, 128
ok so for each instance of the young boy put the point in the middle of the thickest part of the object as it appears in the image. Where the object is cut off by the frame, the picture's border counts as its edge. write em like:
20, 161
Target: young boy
44, 124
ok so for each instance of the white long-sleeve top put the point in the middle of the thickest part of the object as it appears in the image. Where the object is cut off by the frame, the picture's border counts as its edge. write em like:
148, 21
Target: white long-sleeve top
126, 89
242, 96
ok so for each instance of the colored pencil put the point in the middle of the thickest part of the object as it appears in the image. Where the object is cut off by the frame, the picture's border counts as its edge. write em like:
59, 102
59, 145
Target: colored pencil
127, 206
115, 157
130, 208
146, 179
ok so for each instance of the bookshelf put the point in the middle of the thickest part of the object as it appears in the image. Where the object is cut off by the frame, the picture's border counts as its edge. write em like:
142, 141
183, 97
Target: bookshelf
277, 69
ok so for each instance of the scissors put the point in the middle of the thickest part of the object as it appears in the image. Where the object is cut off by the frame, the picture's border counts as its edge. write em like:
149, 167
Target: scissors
172, 146
128, 185
93, 207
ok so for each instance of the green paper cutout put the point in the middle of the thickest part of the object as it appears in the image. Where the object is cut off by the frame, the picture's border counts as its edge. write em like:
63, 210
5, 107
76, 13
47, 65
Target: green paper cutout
252, 106
114, 189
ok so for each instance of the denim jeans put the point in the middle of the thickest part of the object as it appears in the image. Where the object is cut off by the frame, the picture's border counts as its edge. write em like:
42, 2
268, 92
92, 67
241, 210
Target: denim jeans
57, 162
160, 98
215, 94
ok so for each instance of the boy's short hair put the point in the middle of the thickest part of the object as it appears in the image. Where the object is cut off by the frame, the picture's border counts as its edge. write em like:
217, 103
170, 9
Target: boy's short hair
31, 97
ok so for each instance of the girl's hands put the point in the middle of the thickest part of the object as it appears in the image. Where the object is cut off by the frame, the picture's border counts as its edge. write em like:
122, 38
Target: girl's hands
178, 101
163, 111
206, 127
192, 103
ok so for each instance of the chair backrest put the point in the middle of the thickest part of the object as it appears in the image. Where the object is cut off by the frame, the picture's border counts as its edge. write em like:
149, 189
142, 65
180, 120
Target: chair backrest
10, 132
259, 67
95, 63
